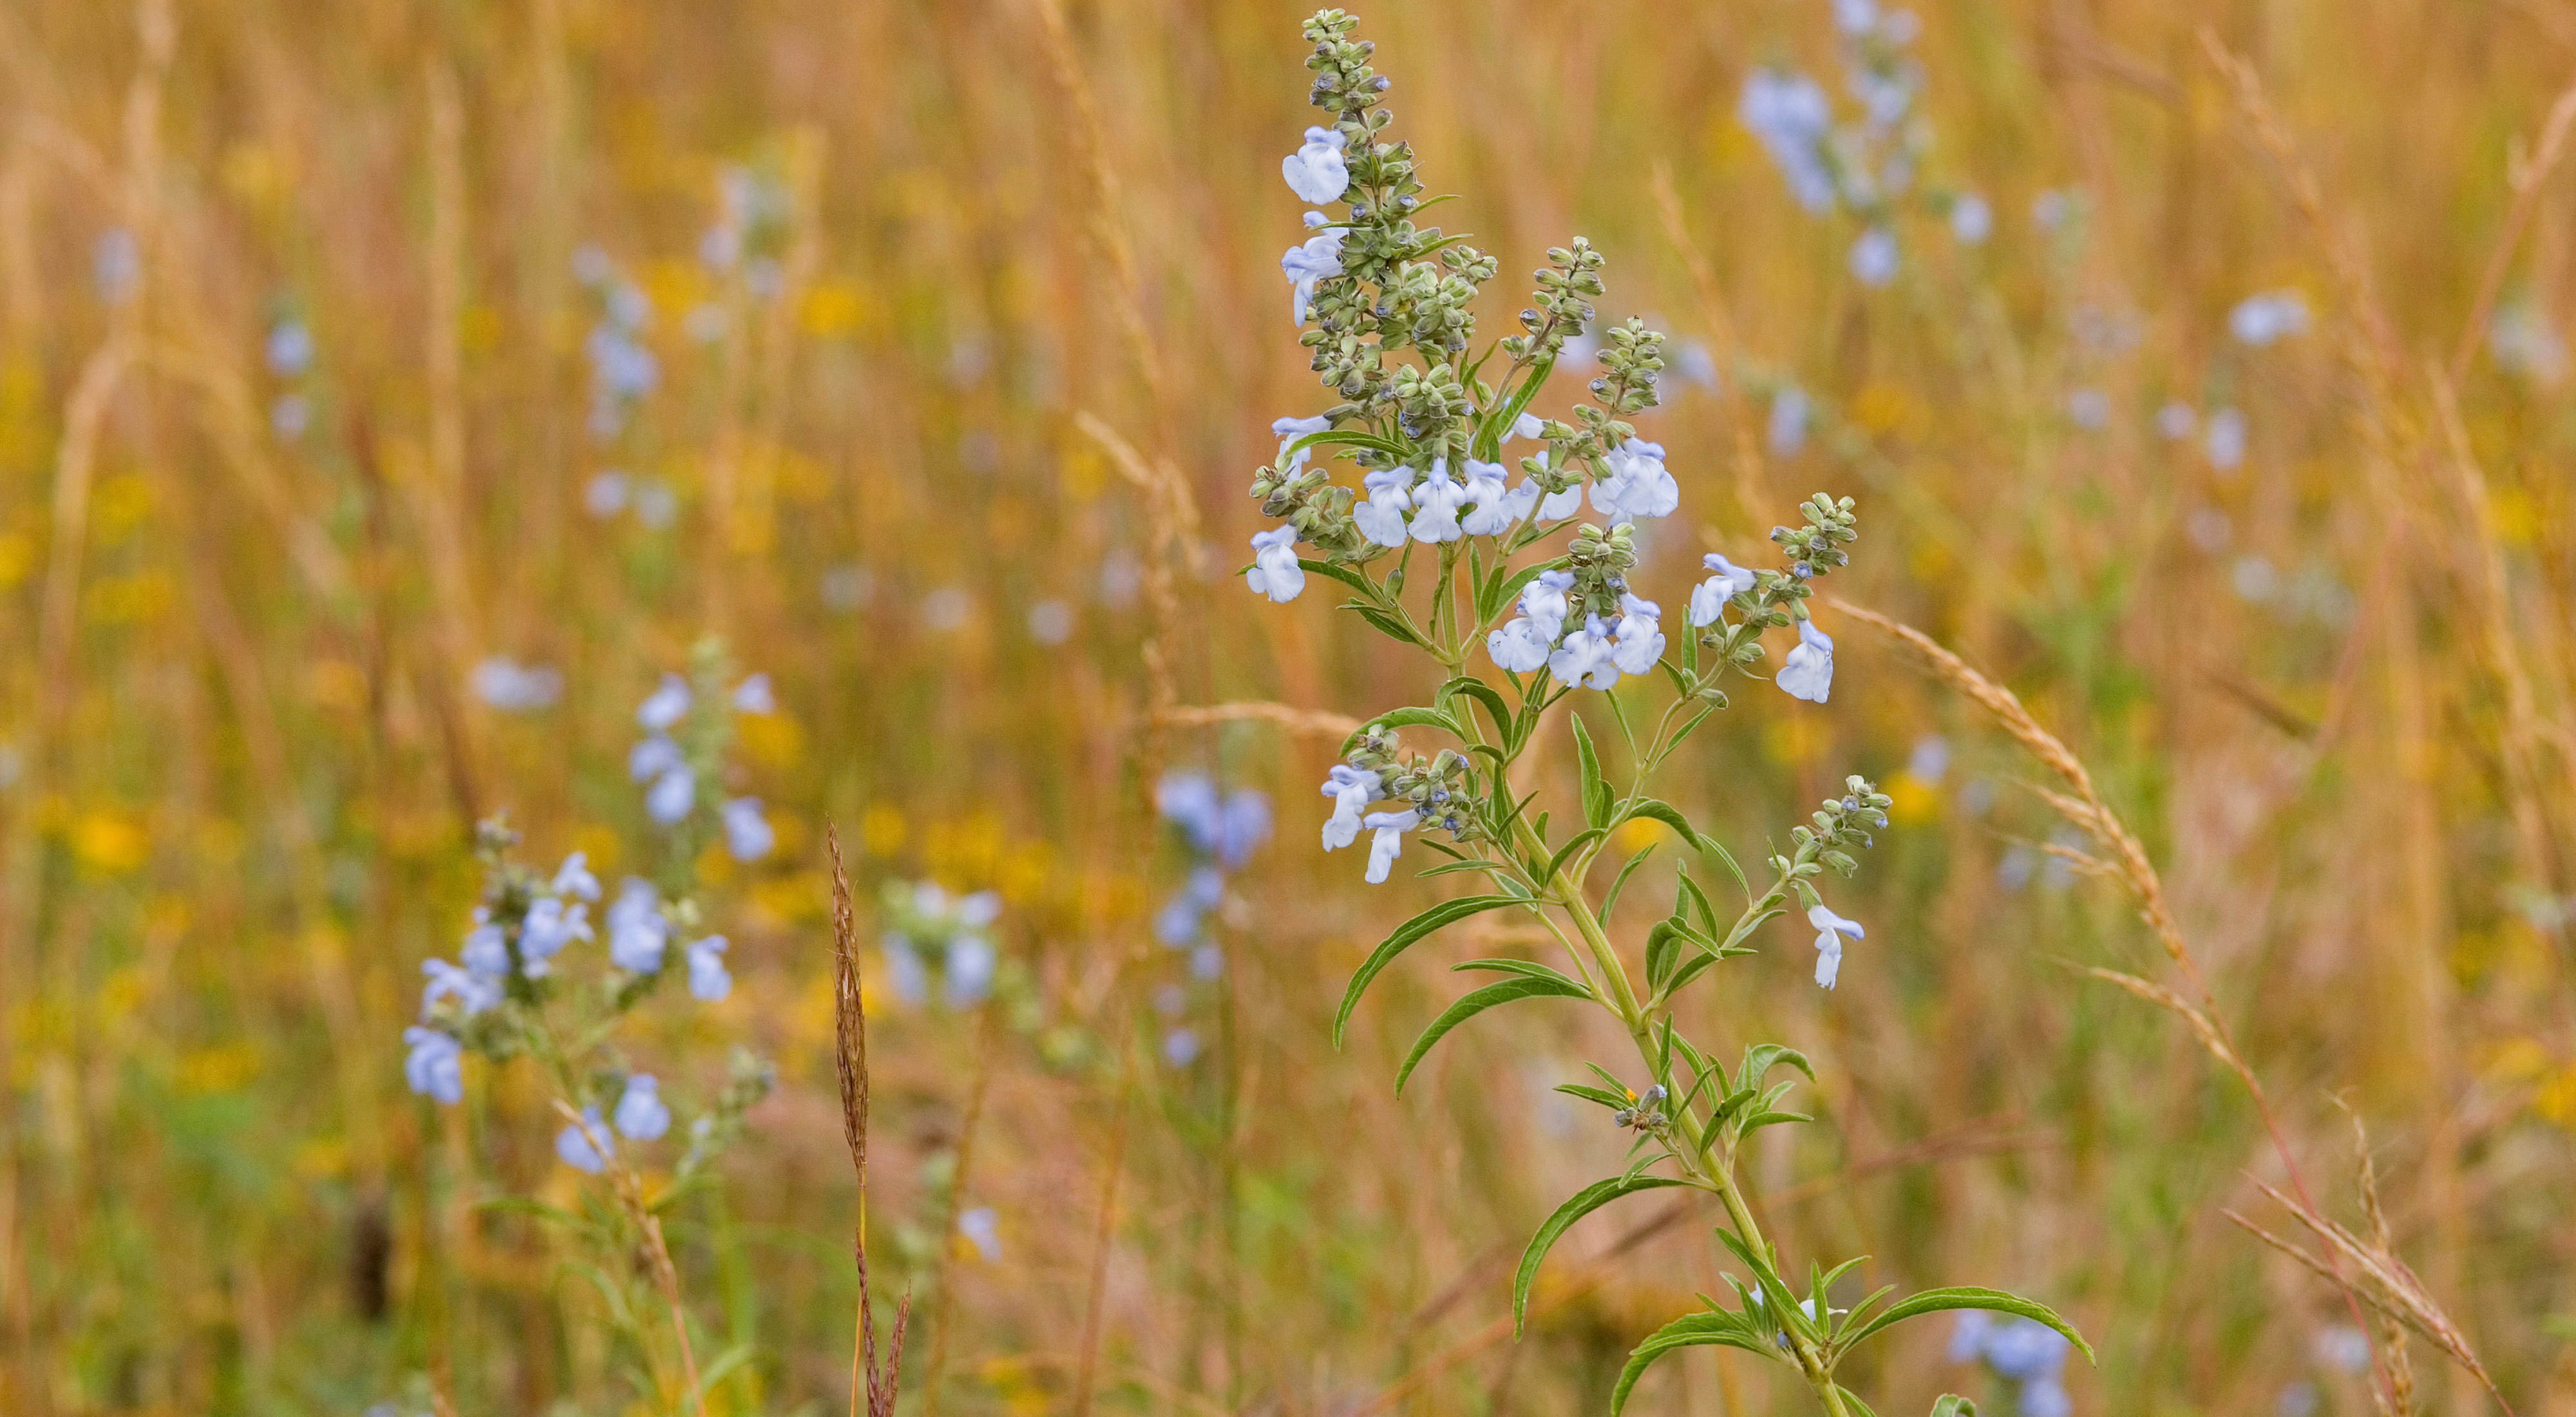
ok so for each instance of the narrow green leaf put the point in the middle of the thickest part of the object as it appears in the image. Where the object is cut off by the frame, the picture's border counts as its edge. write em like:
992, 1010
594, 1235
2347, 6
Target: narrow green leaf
1526, 968
1482, 693
1992, 1300
1761, 1058
1699, 902
1950, 1404
1577, 1206
1612, 1100
1386, 624
1505, 588
1663, 946
1405, 718
1447, 912
1549, 985
1489, 434
1596, 793
1852, 1400
1344, 574
1566, 852
1688, 1331
1353, 438
1665, 813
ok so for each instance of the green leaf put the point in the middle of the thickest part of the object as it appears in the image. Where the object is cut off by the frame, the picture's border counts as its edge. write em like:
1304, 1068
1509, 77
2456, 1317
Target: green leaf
1663, 946
1612, 1100
1351, 437
1489, 434
1405, 718
1386, 624
1596, 793
1688, 1331
1992, 1300
1447, 912
1526, 968
1566, 852
1504, 587
1852, 1400
1665, 813
1698, 900
1545, 986
1577, 1206
1482, 693
1344, 574
1950, 1404
1761, 1058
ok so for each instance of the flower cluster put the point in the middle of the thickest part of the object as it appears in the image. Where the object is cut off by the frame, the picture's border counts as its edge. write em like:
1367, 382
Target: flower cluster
1438, 791
930, 931
622, 370
678, 752
1220, 832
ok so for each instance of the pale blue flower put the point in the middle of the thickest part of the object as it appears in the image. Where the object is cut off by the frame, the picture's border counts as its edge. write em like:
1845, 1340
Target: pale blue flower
487, 949
637, 931
549, 926
116, 263
574, 1145
1874, 257
1495, 507
1177, 923
1242, 827
969, 970
1380, 516
904, 974
2089, 409
512, 687
2343, 1348
1528, 425
976, 1225
1809, 671
1790, 414
1543, 602
1316, 172
1637, 485
435, 1066
1692, 360
2043, 1397
2025, 1350
573, 878
664, 706
1289, 430
473, 992
753, 695
2176, 420
1436, 503
1971, 220
1585, 657
1564, 502
1968, 1334
1639, 638
2226, 439
1317, 258
748, 834
1830, 930
290, 348
1390, 828
1930, 760
2259, 320
671, 796
1180, 1047
1709, 597
1274, 571
1791, 115
604, 495
708, 980
1207, 962
640, 1114
1352, 790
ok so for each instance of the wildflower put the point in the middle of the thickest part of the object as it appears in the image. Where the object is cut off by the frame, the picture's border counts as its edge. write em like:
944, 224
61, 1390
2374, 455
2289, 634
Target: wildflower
486, 952
573, 878
1709, 597
575, 1146
1317, 258
1528, 425
636, 930
2226, 441
1809, 672
753, 695
1585, 657
1638, 485
748, 834
1185, 799
640, 1114
512, 687
2089, 409
290, 348
1351, 789
1390, 828
548, 928
1829, 946
1242, 825
969, 967
1496, 509
1436, 504
473, 992
116, 263
1640, 637
911, 983
435, 1066
1790, 114
1207, 962
1517, 646
1930, 760
1789, 418
1968, 1335
1380, 517
1177, 923
1275, 572
664, 705
2025, 1350
652, 757
1316, 172
671, 796
1971, 220
1289, 430
1873, 257
2259, 320
2343, 1347
1180, 1047
708, 980
1050, 622
976, 1225
2176, 420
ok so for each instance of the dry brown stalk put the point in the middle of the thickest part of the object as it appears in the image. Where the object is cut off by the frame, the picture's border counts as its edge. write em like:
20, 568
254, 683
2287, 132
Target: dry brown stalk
1314, 723
876, 1382
2526, 177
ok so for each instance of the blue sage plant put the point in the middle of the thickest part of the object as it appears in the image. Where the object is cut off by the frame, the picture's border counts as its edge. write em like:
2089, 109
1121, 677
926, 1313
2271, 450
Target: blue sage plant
538, 979
1534, 579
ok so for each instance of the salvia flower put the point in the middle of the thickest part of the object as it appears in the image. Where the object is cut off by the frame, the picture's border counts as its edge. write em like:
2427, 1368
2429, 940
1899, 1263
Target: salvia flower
573, 878
2259, 320
1316, 172
641, 1114
665, 704
652, 757
1317, 258
1274, 571
1436, 503
486, 951
1495, 507
1586, 657
1380, 516
574, 1145
1522, 646
1709, 597
1791, 115
472, 992
548, 928
1809, 672
1637, 485
435, 1066
754, 695
1971, 220
637, 931
1289, 430
1873, 257
671, 796
1790, 414
1352, 790
1830, 930
1390, 828
2226, 439
748, 834
1639, 638
708, 981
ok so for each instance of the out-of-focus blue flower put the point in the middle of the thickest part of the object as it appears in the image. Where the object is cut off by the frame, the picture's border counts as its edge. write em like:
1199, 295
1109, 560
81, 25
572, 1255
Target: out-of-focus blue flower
290, 348
969, 970
512, 687
637, 931
549, 927
1873, 257
1971, 220
641, 1115
574, 1145
708, 981
1789, 417
753, 695
435, 1066
473, 992
748, 834
976, 1224
605, 494
116, 264
1180, 1047
671, 796
2259, 320
2226, 439
1791, 116
664, 706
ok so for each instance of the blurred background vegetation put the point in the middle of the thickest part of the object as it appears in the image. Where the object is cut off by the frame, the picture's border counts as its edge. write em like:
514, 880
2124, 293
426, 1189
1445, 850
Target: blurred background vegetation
326, 323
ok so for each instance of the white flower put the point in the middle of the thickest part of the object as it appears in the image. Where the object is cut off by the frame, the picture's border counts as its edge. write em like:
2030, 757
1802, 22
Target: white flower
1528, 425
748, 835
1789, 418
640, 1115
753, 695
1709, 597
1971, 220
1495, 508
1316, 171
671, 796
1522, 646
1873, 257
473, 992
573, 878
1390, 828
1517, 647
2227, 439
2258, 320
1289, 430
1830, 928
1275, 572
636, 930
1436, 504
548, 928
435, 1066
978, 1228
574, 1144
1380, 516
1638, 485
1640, 636
707, 978
652, 757
1317, 258
969, 968
665, 705
1809, 673
1351, 789
1585, 657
